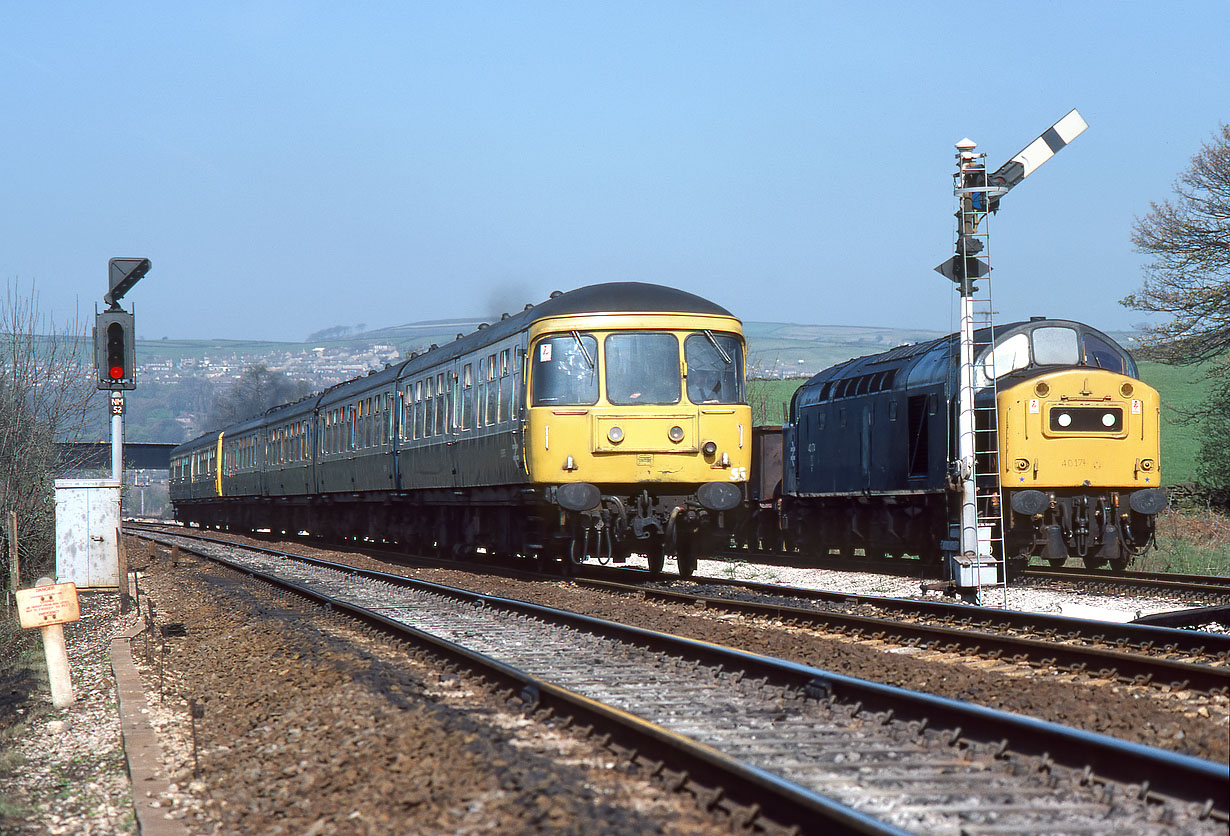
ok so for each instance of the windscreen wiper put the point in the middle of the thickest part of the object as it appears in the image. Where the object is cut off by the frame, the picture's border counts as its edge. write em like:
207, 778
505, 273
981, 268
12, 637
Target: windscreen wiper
718, 346
584, 351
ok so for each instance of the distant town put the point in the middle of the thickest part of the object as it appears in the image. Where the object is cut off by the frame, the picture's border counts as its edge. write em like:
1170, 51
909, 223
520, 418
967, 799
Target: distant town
321, 366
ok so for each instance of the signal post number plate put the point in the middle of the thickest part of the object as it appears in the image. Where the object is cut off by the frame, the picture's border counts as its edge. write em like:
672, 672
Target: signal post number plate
41, 606
117, 403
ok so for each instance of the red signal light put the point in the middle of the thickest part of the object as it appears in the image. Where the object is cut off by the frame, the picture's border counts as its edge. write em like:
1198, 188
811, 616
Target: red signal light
115, 351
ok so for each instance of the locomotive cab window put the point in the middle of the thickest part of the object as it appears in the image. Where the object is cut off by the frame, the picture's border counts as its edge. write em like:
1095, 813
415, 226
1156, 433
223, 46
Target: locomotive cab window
715, 368
1008, 356
1056, 346
565, 370
1105, 356
642, 368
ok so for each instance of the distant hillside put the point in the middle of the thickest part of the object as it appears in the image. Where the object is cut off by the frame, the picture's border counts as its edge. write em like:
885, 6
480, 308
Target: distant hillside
778, 349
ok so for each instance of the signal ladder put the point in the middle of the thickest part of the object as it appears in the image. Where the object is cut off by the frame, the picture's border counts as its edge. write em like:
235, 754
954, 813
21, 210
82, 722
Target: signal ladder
980, 528
974, 240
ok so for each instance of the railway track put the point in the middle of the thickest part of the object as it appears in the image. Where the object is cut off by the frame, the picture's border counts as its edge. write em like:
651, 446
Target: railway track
1204, 588
1144, 655
1199, 587
774, 744
1135, 653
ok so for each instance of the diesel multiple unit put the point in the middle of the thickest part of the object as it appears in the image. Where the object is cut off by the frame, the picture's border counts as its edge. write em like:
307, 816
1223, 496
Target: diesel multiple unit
605, 420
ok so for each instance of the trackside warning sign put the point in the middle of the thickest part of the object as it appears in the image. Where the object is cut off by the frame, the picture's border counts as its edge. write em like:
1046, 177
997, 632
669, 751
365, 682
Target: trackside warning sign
54, 603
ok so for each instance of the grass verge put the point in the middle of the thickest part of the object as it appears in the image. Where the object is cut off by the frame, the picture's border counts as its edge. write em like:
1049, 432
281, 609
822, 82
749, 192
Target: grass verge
22, 668
1195, 542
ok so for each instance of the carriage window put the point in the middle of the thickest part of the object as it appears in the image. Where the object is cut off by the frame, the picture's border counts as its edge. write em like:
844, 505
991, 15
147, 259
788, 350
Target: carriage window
418, 409
715, 368
493, 392
1103, 355
480, 394
441, 427
565, 370
467, 397
451, 410
642, 368
506, 393
1055, 347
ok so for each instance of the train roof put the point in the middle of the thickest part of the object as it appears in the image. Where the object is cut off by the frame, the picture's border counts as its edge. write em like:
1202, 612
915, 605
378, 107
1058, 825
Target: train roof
932, 359
626, 297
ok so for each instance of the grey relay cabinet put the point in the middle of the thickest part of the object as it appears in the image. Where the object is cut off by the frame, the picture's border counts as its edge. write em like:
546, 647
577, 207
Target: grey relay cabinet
87, 522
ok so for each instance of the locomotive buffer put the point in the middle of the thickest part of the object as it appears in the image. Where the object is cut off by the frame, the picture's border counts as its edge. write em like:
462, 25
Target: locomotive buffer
978, 193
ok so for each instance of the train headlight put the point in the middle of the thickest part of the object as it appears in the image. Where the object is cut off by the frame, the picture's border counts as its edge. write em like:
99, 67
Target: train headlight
1126, 390
1063, 419
675, 433
1022, 464
1109, 419
709, 448
615, 434
1041, 389
1146, 464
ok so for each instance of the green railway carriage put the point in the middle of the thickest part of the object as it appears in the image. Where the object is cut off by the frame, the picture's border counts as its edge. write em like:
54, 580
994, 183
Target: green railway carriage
604, 420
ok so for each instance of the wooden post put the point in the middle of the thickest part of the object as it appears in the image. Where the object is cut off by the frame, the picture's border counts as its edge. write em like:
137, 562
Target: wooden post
125, 599
14, 556
56, 653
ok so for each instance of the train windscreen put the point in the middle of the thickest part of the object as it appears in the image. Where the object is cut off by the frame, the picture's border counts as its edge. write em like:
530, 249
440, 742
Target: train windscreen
565, 370
715, 368
642, 368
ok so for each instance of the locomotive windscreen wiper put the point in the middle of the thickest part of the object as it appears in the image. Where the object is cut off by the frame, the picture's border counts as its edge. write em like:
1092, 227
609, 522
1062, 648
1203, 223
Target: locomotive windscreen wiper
584, 351
718, 346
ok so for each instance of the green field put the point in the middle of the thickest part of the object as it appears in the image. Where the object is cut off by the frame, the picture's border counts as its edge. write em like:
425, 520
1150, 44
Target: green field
1181, 388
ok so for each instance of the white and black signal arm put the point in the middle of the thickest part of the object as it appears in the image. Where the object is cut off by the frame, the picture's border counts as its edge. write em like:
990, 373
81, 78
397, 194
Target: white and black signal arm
1026, 162
980, 193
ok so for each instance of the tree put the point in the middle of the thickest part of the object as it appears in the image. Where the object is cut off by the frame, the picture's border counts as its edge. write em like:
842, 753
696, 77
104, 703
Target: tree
256, 390
46, 387
1189, 280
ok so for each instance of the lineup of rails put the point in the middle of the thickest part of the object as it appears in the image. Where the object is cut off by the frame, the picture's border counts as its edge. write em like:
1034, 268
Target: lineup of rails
1207, 587
884, 744
1093, 647
1140, 654
1200, 587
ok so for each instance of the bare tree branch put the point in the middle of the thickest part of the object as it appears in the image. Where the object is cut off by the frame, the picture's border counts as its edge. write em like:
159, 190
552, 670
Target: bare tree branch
46, 388
1189, 279
1189, 276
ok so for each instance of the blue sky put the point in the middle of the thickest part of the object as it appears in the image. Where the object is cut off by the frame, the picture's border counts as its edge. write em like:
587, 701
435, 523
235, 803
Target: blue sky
293, 166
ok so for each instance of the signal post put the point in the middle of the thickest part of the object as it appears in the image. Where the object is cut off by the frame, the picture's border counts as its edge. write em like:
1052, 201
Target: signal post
87, 514
978, 194
115, 348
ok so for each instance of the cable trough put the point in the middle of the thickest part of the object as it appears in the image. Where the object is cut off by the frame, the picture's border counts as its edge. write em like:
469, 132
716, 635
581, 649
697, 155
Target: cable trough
775, 744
